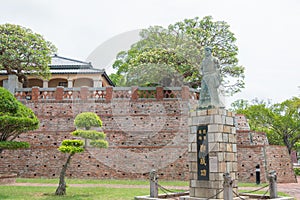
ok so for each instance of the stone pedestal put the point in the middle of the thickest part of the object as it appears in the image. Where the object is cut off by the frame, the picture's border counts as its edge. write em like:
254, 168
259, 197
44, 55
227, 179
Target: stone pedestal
12, 83
212, 152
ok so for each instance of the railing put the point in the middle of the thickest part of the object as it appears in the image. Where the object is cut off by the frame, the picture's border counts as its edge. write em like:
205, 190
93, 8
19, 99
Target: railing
106, 93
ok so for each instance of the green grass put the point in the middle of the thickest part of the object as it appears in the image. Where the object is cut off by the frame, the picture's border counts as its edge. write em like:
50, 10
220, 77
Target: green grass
47, 193
77, 193
120, 182
240, 184
104, 181
91, 193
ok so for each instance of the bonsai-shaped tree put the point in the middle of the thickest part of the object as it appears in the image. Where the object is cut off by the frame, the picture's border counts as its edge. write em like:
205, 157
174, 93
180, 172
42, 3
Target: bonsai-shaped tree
15, 118
83, 122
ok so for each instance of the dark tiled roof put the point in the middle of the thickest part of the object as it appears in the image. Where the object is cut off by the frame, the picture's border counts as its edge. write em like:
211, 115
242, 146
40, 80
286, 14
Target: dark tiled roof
59, 62
62, 65
76, 71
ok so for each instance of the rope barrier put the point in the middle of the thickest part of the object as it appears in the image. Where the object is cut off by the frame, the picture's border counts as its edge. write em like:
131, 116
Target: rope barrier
254, 191
167, 191
258, 189
216, 194
264, 194
237, 195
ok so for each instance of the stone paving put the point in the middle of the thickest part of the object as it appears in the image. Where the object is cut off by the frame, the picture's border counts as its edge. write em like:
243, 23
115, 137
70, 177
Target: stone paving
292, 189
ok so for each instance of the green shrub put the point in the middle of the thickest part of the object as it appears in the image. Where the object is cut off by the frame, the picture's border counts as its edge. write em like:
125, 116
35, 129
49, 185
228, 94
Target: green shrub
15, 119
8, 103
297, 171
71, 146
89, 134
87, 120
99, 143
13, 145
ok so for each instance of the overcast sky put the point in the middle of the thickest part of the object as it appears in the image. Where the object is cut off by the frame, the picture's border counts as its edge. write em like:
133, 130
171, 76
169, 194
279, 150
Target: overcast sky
267, 32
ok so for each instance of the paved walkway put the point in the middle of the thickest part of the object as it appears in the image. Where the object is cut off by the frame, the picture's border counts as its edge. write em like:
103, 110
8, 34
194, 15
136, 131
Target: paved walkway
293, 189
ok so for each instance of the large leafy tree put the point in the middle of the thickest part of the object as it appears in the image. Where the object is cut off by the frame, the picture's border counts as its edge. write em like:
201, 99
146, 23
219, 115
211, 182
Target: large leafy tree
174, 55
22, 52
280, 121
15, 118
84, 123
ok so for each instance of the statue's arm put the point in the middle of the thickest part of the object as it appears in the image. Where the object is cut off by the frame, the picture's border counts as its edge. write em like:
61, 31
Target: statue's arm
201, 68
217, 63
218, 68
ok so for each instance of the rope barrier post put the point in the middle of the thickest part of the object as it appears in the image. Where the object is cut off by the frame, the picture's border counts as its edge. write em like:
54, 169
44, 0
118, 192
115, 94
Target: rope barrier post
227, 187
153, 183
272, 177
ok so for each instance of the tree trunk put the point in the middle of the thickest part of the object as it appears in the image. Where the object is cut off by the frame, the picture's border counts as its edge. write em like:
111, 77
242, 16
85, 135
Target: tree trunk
61, 189
287, 143
23, 79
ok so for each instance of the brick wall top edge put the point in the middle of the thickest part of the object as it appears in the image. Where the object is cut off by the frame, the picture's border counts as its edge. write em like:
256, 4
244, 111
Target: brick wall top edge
251, 146
243, 131
277, 146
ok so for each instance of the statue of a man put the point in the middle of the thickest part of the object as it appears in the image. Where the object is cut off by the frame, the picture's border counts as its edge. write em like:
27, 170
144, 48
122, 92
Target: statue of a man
211, 81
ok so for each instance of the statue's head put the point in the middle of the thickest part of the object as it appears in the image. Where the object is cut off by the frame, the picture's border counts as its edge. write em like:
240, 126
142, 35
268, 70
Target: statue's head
207, 51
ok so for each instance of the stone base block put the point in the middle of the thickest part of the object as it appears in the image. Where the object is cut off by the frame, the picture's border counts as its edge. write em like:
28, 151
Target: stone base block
197, 198
162, 196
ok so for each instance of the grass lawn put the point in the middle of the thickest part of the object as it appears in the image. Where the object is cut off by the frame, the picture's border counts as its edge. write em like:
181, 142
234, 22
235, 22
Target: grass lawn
104, 181
241, 184
47, 193
77, 193
89, 193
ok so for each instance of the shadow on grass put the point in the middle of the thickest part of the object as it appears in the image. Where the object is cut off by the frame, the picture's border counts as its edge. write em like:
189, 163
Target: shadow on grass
4, 196
52, 196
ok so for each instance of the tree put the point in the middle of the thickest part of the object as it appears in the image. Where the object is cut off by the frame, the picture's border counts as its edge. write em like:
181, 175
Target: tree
15, 118
22, 52
179, 48
83, 122
280, 121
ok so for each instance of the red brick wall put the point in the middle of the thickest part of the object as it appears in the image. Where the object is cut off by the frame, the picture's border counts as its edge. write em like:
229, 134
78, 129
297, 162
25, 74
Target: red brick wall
248, 158
278, 159
251, 138
269, 157
142, 134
